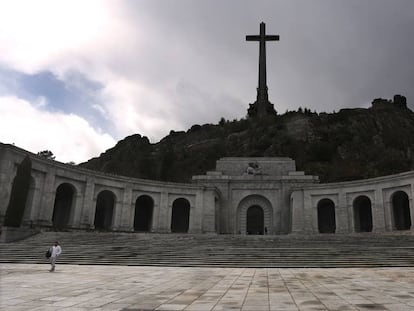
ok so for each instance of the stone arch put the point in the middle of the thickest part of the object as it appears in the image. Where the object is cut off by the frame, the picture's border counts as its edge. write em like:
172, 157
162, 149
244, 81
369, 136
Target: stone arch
326, 216
144, 208
105, 203
401, 215
256, 202
362, 214
64, 201
180, 218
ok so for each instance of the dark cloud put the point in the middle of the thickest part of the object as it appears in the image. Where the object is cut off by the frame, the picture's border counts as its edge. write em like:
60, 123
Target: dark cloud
165, 65
332, 54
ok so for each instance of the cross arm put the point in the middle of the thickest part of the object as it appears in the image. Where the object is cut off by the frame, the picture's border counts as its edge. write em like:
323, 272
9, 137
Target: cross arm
252, 38
266, 38
272, 38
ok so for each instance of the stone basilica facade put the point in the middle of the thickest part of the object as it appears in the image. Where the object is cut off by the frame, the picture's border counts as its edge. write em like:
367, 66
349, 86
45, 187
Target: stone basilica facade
241, 196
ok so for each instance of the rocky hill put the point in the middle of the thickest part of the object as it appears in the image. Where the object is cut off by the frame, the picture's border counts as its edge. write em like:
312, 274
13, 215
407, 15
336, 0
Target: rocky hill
350, 144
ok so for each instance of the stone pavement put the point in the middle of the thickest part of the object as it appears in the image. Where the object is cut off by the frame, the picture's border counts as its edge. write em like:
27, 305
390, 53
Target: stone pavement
71, 287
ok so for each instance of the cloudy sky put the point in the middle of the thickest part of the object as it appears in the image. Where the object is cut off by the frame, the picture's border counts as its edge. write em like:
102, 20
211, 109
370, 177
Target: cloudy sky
77, 76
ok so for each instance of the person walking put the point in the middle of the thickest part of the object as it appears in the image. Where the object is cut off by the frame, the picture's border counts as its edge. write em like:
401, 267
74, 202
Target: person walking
56, 250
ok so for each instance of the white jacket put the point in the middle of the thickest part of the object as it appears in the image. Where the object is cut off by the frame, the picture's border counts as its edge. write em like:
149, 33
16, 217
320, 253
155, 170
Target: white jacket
56, 251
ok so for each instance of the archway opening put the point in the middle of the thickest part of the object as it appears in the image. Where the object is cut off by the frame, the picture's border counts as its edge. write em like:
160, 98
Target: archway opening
326, 216
401, 211
258, 212
104, 210
255, 220
362, 214
144, 207
63, 205
180, 219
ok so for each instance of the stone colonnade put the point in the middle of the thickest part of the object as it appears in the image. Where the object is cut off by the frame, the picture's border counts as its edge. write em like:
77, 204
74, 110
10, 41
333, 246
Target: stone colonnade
65, 196
223, 201
371, 205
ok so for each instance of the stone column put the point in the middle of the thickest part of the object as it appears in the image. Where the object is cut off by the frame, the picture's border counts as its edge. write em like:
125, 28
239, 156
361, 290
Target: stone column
89, 205
223, 212
283, 200
342, 214
411, 206
125, 223
48, 198
196, 213
297, 207
155, 216
209, 212
7, 174
378, 212
388, 215
164, 214
232, 214
76, 210
31, 208
224, 216
116, 221
309, 214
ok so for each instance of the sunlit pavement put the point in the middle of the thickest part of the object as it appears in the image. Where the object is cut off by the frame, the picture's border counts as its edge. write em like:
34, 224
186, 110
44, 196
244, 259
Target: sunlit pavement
72, 287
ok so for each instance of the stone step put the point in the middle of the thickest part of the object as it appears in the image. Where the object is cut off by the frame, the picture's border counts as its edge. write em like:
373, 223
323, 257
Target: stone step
365, 250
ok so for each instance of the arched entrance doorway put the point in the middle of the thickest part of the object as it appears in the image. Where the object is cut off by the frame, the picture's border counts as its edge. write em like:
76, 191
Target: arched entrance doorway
63, 205
180, 219
104, 210
254, 216
362, 214
401, 211
326, 216
255, 220
144, 206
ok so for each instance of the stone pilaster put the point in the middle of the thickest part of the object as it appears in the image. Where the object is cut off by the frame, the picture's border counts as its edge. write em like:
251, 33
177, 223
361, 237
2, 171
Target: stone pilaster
378, 212
297, 207
342, 214
117, 214
209, 209
310, 215
411, 205
196, 213
76, 210
48, 199
164, 215
126, 221
7, 173
155, 216
387, 213
89, 205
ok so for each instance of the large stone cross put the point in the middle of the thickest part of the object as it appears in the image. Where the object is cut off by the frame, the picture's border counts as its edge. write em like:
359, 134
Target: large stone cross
262, 104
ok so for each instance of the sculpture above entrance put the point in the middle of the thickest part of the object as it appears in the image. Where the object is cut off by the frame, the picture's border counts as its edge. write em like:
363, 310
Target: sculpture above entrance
275, 166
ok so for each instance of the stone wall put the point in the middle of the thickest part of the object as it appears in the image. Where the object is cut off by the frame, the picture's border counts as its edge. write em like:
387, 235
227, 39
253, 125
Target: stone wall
270, 190
378, 193
217, 202
85, 187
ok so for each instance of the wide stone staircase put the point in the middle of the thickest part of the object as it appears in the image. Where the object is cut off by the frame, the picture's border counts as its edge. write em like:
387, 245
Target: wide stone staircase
184, 250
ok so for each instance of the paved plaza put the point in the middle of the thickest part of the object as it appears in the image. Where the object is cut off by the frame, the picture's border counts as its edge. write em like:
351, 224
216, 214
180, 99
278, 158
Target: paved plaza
72, 287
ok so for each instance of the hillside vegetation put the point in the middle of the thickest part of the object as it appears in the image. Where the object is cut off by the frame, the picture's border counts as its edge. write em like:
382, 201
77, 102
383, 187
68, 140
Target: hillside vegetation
350, 144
